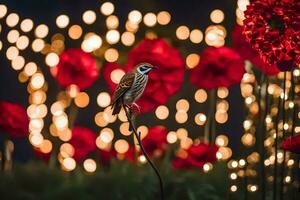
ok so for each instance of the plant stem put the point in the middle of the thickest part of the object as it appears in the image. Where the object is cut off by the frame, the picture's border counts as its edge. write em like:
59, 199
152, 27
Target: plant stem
281, 194
138, 137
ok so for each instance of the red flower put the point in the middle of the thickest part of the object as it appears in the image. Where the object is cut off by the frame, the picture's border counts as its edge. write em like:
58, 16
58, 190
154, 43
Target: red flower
292, 144
196, 156
218, 67
272, 28
155, 141
164, 82
84, 142
248, 53
13, 119
76, 67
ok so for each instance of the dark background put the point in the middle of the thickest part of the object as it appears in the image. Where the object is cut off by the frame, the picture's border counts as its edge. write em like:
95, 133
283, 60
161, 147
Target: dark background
193, 13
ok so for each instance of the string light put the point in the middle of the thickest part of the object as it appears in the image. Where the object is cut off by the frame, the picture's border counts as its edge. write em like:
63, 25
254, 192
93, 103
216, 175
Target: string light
150, 19
163, 18
3, 10
41, 31
62, 21
107, 8
135, 17
89, 17
26, 25
12, 19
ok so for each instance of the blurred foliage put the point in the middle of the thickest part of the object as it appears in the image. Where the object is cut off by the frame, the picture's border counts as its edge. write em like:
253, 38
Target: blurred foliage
122, 180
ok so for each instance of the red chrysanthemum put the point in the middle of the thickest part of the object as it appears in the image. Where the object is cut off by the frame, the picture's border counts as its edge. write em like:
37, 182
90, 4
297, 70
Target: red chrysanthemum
196, 156
292, 144
272, 28
76, 67
84, 142
164, 82
155, 142
248, 53
13, 119
218, 67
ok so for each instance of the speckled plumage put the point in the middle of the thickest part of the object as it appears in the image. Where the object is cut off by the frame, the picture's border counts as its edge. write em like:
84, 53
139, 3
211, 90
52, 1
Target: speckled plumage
131, 87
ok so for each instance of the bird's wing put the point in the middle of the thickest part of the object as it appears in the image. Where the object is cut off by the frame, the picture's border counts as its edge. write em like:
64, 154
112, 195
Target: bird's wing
124, 85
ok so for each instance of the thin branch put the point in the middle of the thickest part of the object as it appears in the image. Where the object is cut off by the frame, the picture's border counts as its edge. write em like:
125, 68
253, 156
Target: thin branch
138, 137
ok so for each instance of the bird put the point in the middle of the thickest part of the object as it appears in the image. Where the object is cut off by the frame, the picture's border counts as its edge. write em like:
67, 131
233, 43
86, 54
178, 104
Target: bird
131, 87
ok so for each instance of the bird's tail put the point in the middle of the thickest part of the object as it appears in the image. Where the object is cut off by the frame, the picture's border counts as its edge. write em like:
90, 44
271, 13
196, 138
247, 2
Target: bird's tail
116, 107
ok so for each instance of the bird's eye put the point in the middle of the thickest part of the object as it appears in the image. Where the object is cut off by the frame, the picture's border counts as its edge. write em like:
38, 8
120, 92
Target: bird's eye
143, 68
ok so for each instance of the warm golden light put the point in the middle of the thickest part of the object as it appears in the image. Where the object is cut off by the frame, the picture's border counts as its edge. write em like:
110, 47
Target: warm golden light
222, 92
112, 36
112, 22
82, 100
106, 135
150, 19
30, 68
103, 99
248, 140
131, 26
37, 81
26, 25
107, 8
128, 38
46, 146
171, 137
3, 10
221, 140
182, 32
196, 36
163, 18
90, 165
12, 53
91, 42
38, 45
41, 31
135, 17
36, 139
13, 36
89, 17
116, 75
192, 60
12, 19
52, 59
181, 117
217, 16
111, 55
124, 129
182, 105
22, 42
69, 164
62, 21
162, 112
18, 63
57, 108
75, 32
73, 90
121, 146
67, 150
200, 119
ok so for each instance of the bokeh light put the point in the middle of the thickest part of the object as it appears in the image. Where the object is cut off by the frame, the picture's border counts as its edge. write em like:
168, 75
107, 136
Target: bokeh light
89, 17
12, 19
163, 18
107, 8
111, 55
26, 25
41, 31
162, 112
182, 32
217, 16
150, 19
62, 21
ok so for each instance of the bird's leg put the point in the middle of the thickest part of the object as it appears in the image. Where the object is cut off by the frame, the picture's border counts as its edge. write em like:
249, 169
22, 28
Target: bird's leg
135, 105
